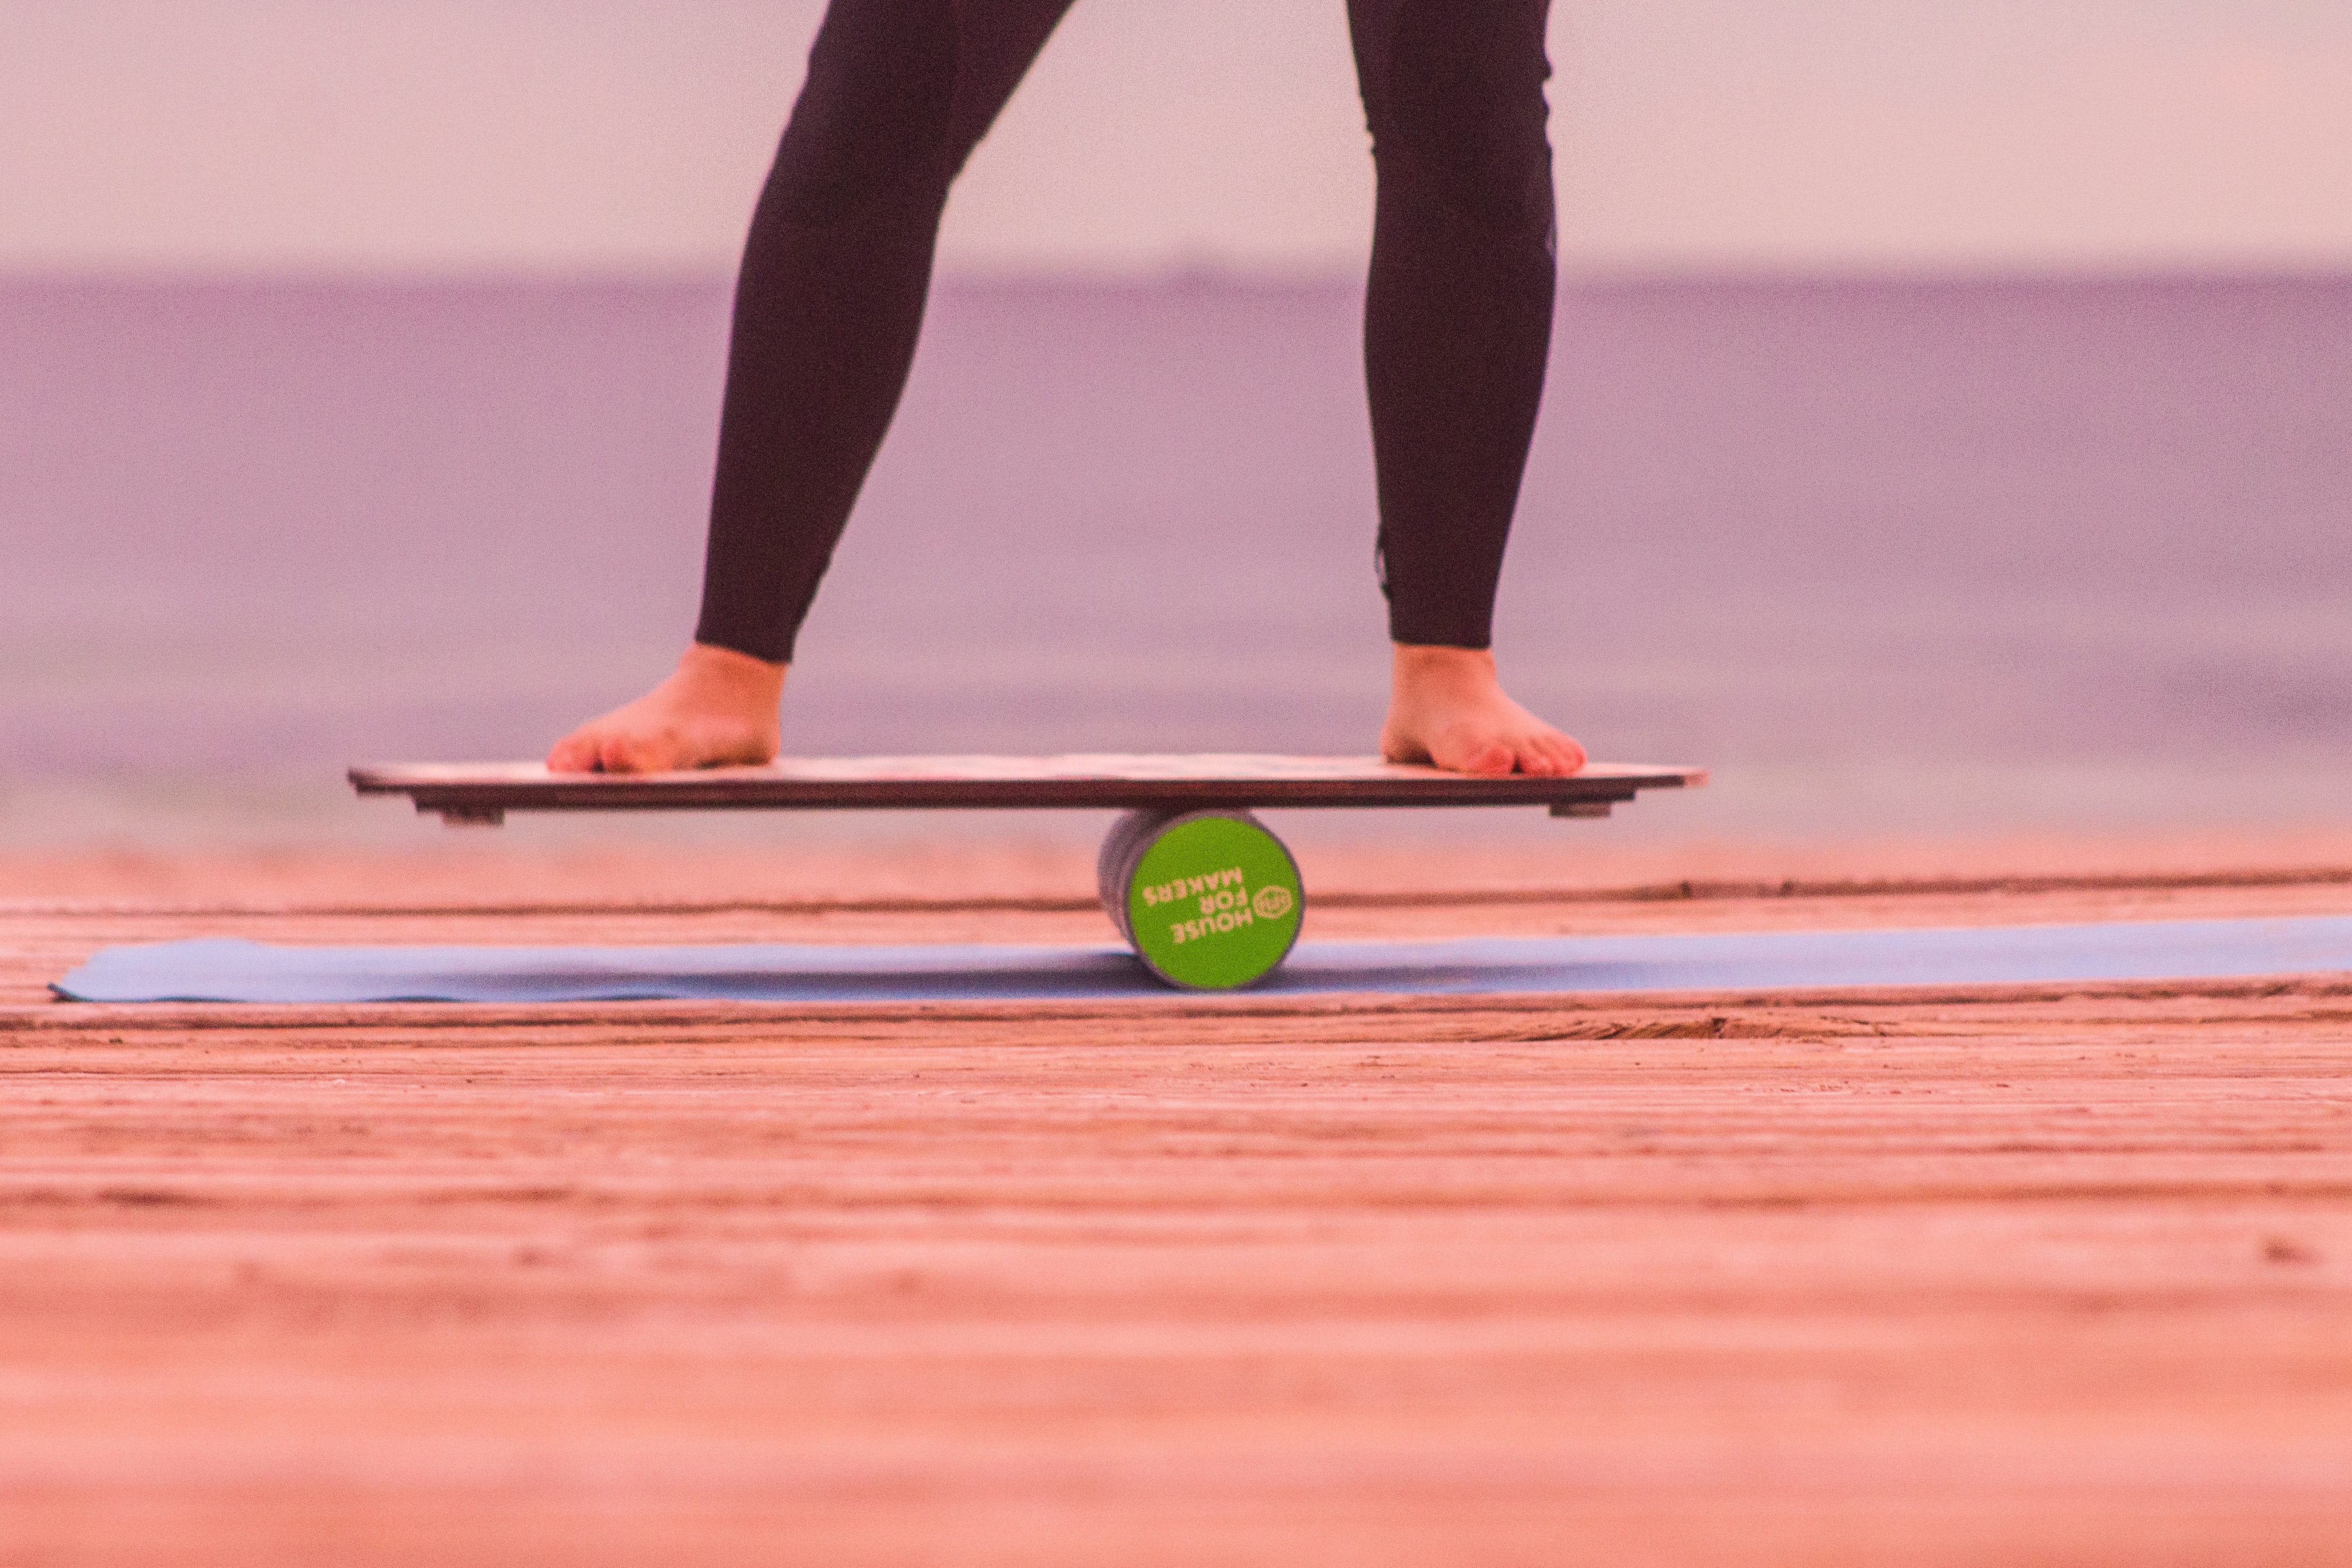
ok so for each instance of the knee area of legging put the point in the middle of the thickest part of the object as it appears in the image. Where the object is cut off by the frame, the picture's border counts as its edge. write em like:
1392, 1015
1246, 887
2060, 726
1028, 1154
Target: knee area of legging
1465, 102
875, 111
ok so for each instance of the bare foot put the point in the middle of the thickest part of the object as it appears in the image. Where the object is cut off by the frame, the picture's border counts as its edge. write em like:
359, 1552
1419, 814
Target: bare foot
1447, 707
717, 707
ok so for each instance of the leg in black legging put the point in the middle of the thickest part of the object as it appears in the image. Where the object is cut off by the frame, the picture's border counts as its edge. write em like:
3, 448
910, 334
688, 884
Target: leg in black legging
1458, 319
1457, 323
830, 302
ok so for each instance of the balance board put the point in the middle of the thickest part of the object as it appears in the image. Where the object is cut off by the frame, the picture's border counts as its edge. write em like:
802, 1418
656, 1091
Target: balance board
485, 791
1207, 897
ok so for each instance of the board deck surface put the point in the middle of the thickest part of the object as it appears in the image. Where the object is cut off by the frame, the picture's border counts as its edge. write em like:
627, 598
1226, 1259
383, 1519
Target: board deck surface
483, 789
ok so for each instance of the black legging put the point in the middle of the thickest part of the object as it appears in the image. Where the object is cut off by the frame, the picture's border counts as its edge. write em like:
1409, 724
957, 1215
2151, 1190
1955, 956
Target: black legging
1456, 325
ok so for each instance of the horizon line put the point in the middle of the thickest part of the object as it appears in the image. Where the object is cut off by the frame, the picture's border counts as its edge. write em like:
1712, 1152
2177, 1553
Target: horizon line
1204, 273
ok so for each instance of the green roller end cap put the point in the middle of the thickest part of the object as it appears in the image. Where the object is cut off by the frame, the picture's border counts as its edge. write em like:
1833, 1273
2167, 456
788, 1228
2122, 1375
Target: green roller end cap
1213, 901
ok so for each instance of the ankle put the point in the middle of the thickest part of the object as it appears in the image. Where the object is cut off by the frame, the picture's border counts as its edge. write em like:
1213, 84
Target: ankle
737, 680
1414, 666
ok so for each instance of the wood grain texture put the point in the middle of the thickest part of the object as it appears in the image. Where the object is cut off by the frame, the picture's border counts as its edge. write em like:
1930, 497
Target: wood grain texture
2054, 1275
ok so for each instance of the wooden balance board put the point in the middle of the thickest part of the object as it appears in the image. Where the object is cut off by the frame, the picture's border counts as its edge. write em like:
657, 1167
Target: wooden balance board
1207, 897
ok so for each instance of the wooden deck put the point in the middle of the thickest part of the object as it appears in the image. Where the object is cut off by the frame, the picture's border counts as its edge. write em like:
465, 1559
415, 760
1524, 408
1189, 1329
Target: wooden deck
2018, 1276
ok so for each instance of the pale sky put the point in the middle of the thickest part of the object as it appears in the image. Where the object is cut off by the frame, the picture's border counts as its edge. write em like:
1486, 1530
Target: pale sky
410, 136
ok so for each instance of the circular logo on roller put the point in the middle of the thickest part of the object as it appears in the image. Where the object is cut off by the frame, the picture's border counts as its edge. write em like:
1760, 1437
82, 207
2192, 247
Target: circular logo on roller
1214, 903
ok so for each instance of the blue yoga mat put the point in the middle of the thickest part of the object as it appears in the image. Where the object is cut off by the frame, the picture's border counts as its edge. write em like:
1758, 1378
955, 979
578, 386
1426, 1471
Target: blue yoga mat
236, 971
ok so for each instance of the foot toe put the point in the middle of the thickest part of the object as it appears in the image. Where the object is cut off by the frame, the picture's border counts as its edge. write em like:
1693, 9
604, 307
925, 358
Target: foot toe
616, 754
1488, 760
1566, 755
575, 753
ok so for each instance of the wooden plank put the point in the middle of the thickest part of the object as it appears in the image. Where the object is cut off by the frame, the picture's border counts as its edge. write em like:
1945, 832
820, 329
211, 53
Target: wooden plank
1937, 1281
1090, 781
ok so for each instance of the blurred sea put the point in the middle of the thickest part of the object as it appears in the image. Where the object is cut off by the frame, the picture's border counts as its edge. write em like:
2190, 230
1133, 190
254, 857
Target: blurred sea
1892, 557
